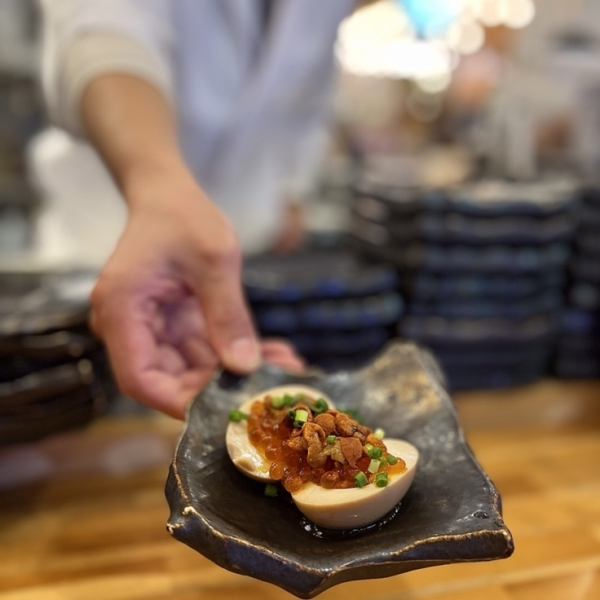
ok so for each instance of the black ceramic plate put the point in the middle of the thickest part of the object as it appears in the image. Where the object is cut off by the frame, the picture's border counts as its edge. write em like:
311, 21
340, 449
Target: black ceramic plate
429, 286
74, 409
578, 367
323, 343
48, 347
453, 228
579, 344
585, 296
330, 315
480, 360
589, 218
29, 354
46, 383
517, 309
493, 378
314, 275
332, 363
586, 269
464, 259
34, 303
53, 400
378, 196
590, 195
452, 332
451, 514
584, 322
587, 242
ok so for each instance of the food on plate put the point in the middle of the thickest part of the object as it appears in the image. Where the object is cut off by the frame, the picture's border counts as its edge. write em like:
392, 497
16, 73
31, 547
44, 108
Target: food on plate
340, 473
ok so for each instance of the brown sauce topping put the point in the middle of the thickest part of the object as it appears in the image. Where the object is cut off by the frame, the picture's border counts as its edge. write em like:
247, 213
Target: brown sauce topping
329, 449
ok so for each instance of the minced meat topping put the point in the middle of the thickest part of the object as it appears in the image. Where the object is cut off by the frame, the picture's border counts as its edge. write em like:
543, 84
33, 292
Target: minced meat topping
306, 441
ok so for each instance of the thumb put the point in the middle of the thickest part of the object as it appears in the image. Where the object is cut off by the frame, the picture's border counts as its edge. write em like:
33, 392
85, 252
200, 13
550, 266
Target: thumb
228, 323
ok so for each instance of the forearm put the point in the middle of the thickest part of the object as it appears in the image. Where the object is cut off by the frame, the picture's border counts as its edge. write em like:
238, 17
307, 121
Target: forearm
132, 126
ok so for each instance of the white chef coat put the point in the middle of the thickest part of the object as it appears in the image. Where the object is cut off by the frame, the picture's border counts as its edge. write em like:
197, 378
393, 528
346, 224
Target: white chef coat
251, 99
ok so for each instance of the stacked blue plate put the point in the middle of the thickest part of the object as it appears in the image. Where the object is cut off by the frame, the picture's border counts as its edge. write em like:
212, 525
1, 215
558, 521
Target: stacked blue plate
578, 351
337, 310
483, 268
53, 372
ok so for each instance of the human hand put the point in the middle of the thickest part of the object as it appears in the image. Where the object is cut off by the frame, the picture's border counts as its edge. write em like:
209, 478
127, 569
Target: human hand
169, 303
293, 230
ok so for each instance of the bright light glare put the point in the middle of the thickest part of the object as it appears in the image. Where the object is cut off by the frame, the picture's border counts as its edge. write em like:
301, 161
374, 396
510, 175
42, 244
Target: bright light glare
513, 13
380, 40
490, 12
382, 20
407, 58
466, 37
520, 13
434, 85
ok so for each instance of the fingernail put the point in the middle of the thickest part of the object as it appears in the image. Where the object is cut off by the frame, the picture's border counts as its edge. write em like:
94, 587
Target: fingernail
243, 354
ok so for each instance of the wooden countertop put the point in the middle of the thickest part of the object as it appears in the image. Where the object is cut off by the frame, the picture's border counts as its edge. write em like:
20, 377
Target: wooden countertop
85, 524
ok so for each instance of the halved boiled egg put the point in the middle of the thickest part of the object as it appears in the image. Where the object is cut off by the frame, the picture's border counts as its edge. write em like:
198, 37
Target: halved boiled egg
356, 507
330, 507
243, 453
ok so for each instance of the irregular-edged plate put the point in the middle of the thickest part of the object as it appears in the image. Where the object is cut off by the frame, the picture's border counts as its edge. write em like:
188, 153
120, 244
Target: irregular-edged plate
451, 514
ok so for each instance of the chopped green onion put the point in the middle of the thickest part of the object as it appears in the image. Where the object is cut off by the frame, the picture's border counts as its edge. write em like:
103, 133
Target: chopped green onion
374, 466
373, 452
379, 433
291, 414
301, 416
236, 416
278, 402
368, 448
320, 405
381, 480
271, 490
331, 439
392, 460
289, 400
361, 480
284, 401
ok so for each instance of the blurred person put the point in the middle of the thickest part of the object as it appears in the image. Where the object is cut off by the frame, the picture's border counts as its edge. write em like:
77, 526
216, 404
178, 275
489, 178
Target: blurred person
209, 115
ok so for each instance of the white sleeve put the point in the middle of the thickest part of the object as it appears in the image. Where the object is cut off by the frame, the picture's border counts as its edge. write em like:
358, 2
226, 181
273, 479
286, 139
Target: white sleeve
311, 95
85, 38
307, 134
304, 158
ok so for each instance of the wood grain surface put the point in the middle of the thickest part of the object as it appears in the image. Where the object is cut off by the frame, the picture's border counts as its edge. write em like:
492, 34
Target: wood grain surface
82, 515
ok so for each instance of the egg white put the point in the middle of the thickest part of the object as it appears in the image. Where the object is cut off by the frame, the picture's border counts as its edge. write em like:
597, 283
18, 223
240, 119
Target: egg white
357, 507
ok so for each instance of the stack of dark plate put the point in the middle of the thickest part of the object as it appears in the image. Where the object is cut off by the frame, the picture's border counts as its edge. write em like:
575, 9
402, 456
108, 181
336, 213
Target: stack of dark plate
53, 372
578, 351
483, 267
336, 310
21, 116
